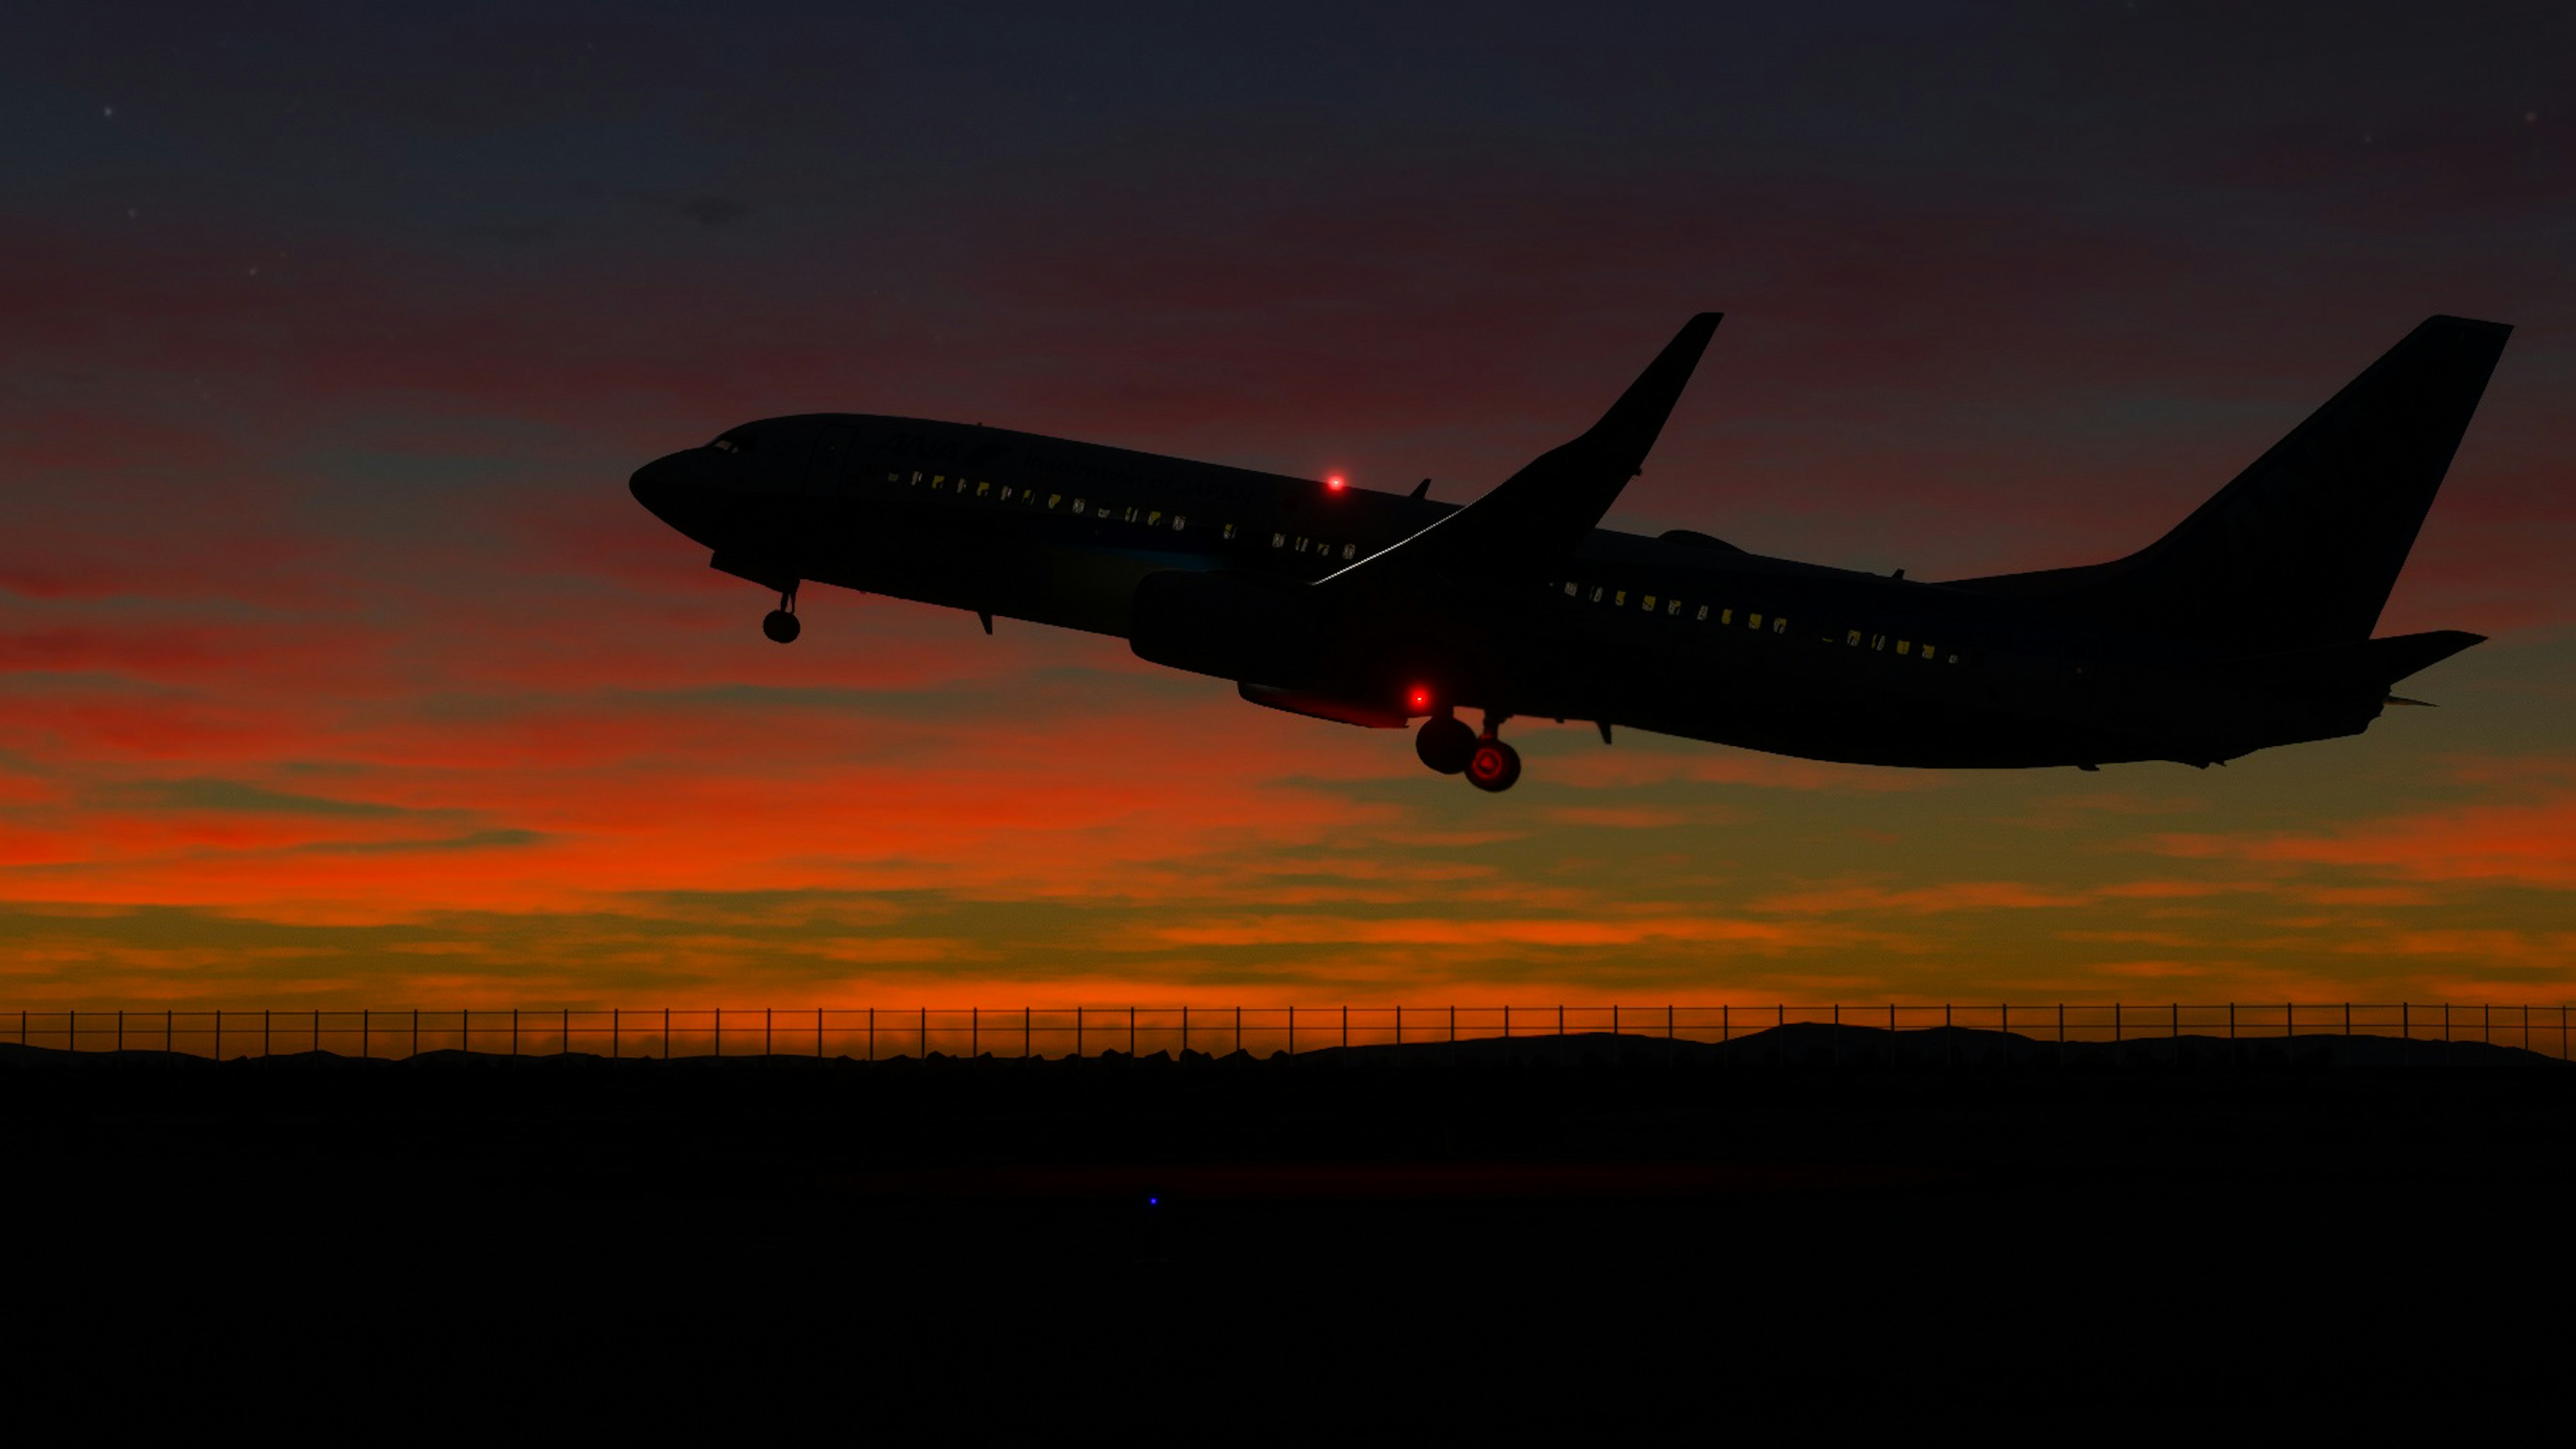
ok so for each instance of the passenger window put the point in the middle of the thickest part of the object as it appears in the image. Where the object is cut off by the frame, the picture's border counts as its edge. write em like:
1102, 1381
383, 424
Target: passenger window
983, 488
1853, 638
1569, 588
1054, 498
1726, 616
1130, 515
1753, 622
1350, 550
937, 480
1904, 646
1675, 607
1227, 532
1301, 543
1077, 505
1278, 540
894, 477
1703, 613
1179, 522
1153, 517
1650, 603
1596, 593
1927, 653
1006, 493
1954, 658
1877, 641
1779, 626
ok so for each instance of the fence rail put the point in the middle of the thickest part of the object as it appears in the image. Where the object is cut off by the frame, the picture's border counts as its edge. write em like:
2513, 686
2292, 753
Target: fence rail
875, 1034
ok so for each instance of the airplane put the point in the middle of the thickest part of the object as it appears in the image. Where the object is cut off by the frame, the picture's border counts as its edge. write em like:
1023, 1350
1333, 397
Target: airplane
2247, 626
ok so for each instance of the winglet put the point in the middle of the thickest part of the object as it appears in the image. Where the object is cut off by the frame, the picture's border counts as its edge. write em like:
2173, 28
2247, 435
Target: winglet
1546, 510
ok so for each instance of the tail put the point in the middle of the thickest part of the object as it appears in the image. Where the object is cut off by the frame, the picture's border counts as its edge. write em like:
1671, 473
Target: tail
2302, 549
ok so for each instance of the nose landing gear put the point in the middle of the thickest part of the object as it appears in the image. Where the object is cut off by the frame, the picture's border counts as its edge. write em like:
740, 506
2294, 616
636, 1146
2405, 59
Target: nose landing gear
1446, 744
781, 625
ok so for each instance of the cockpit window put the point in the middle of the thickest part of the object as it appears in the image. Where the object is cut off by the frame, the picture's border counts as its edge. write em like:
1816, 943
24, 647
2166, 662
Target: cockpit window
733, 442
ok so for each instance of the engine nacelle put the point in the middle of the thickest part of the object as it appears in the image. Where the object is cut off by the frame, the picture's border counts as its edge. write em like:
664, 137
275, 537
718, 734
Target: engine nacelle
1231, 625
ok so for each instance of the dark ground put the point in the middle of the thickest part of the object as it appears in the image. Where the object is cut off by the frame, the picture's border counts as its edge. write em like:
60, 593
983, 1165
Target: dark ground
1534, 1217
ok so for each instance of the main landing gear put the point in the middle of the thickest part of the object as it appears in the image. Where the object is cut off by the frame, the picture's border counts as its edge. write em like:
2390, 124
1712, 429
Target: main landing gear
1447, 745
781, 625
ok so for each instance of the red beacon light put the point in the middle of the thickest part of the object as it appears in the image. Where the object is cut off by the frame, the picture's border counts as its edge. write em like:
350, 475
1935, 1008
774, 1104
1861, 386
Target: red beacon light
1335, 483
1420, 697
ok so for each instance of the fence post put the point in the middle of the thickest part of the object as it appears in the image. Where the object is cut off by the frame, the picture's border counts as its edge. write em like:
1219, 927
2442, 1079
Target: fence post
120, 1031
165, 1029
924, 1026
71, 1030
1185, 1029
2486, 1023
1507, 1022
719, 1033
514, 1031
219, 1034
666, 1033
317, 1029
818, 1033
2405, 1034
1292, 1031
1131, 1030
564, 1049
415, 1031
263, 1033
872, 1033
1077, 1034
1025, 1037
616, 1037
1346, 1025
974, 1032
1399, 1024
1838, 1034
2177, 1033
2061, 1033
365, 1020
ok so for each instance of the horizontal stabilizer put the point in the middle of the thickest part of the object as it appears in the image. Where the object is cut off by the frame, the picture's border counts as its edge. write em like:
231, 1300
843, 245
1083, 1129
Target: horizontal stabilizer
2372, 665
1540, 515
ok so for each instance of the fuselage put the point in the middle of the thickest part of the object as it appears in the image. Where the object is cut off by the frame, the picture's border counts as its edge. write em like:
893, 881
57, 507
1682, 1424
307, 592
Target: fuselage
1678, 634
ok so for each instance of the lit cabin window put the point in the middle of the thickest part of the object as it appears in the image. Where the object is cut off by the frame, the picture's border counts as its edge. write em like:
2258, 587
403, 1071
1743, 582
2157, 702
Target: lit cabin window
1904, 646
1877, 641
1954, 658
1179, 522
1153, 517
983, 488
1006, 493
938, 480
1619, 598
1703, 613
1649, 604
1130, 515
1927, 653
1569, 588
1054, 498
1779, 626
1078, 505
1227, 532
1278, 540
1674, 607
1753, 621
1726, 616
1852, 638
896, 477
1301, 543
1350, 550
1596, 593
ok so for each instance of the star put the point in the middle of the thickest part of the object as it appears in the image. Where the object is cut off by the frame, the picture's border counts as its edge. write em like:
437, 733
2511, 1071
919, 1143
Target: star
107, 110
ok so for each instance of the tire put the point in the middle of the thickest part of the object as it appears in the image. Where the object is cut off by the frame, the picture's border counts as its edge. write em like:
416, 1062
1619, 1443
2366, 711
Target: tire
781, 626
1494, 767
1444, 742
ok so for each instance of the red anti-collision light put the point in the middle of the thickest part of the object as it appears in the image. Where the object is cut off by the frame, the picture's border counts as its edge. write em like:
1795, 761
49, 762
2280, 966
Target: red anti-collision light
1335, 483
1421, 699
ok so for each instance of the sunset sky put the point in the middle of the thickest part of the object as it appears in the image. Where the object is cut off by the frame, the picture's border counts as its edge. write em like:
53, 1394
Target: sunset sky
337, 666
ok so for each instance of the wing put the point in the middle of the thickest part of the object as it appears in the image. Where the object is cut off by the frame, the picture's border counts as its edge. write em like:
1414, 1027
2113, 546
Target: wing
1543, 513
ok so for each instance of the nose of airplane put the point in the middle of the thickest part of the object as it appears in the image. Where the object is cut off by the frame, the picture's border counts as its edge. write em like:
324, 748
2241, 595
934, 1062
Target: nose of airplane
656, 485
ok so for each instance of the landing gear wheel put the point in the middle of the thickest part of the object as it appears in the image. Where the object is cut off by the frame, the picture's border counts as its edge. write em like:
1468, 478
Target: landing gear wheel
781, 626
1444, 742
1494, 766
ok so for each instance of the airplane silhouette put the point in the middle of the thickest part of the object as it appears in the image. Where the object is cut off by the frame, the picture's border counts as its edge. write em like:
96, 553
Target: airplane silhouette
2247, 626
